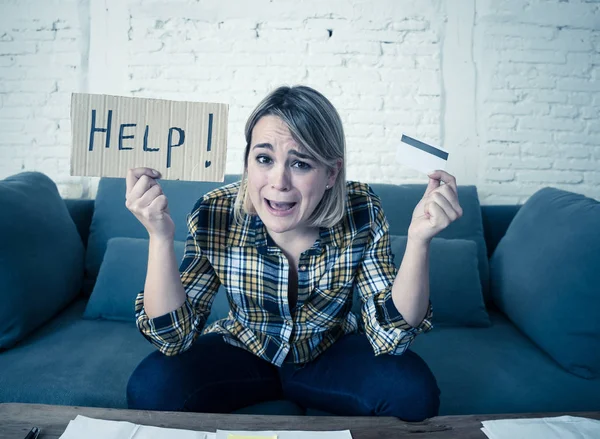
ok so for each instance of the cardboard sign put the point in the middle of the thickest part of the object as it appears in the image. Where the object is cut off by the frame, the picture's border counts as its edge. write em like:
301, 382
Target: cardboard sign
182, 140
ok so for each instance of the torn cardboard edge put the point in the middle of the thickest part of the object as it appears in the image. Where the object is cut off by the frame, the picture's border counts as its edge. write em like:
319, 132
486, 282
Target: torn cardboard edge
182, 140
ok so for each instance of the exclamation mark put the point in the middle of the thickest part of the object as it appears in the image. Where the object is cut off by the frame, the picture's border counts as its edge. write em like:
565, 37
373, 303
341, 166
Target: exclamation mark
210, 120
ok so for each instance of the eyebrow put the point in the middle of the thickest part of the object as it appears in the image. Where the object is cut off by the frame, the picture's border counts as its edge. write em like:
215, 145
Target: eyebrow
292, 151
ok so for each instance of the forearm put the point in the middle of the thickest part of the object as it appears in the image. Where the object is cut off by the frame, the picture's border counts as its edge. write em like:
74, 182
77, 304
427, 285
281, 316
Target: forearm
410, 292
163, 291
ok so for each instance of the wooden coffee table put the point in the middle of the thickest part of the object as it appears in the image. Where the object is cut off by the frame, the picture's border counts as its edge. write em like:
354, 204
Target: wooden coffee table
17, 419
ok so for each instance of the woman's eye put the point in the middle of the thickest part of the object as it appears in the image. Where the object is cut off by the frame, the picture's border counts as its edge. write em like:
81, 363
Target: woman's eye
301, 165
263, 159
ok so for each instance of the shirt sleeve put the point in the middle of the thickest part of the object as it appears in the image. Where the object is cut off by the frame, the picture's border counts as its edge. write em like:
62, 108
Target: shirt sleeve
176, 331
385, 327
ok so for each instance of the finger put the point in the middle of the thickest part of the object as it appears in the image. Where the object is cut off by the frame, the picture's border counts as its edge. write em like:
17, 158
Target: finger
446, 206
432, 185
134, 174
439, 217
446, 178
160, 204
149, 196
452, 198
139, 189
427, 207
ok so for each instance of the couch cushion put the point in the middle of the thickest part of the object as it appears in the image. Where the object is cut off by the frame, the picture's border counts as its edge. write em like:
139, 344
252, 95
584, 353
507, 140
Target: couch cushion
41, 255
112, 219
89, 364
499, 370
455, 289
399, 201
122, 276
546, 273
71, 361
479, 370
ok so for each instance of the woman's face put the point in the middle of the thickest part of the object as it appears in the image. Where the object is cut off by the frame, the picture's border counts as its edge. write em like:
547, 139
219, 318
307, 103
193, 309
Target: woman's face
284, 184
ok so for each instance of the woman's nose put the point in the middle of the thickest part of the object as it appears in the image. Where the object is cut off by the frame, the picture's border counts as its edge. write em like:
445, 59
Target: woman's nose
280, 179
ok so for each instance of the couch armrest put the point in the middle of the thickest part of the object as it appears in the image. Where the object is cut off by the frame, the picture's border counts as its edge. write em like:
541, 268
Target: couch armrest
496, 220
81, 212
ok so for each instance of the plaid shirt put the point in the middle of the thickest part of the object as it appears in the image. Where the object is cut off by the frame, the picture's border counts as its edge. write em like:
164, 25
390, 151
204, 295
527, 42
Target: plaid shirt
355, 253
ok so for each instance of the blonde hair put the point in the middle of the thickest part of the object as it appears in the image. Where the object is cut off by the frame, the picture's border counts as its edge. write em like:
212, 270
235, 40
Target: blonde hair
315, 125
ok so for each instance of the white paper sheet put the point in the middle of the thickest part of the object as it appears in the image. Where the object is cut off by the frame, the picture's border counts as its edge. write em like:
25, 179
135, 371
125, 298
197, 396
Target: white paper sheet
282, 434
83, 426
561, 427
90, 428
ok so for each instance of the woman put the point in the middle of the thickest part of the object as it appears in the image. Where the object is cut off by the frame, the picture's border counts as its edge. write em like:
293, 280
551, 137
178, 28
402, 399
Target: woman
289, 242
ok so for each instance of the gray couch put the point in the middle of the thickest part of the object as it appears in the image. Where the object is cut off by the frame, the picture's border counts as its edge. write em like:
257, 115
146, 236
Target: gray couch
489, 349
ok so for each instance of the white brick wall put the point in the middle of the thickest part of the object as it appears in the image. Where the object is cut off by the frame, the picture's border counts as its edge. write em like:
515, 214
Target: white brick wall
510, 88
42, 51
538, 92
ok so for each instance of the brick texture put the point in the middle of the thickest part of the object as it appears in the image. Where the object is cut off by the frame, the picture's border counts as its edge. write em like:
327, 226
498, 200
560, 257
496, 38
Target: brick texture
533, 73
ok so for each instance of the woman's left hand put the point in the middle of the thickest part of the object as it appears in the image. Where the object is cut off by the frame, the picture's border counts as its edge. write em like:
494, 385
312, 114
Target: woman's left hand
437, 209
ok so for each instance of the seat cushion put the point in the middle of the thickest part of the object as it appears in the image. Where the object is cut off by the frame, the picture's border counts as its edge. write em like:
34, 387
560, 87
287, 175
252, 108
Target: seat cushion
41, 255
112, 219
122, 276
500, 370
399, 201
72, 361
479, 370
455, 289
78, 362
546, 277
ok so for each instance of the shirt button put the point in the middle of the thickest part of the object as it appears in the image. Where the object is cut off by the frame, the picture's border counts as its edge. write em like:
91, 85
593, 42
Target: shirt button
302, 267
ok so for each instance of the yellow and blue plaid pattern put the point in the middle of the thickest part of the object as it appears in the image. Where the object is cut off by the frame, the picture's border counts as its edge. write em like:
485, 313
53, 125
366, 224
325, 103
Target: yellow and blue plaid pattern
355, 253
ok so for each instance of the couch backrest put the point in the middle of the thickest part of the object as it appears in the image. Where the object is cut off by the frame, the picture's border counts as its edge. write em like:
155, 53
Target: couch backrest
399, 202
496, 219
112, 219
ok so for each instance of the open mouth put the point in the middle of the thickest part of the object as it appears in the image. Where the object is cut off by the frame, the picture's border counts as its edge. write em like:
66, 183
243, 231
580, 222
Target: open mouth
280, 207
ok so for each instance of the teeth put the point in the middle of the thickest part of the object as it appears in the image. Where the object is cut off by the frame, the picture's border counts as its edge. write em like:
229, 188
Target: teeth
281, 206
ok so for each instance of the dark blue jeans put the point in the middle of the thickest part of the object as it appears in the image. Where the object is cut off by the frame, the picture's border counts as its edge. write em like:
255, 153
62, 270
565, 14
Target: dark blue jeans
347, 379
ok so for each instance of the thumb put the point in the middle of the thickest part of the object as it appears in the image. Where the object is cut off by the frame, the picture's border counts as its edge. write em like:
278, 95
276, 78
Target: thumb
433, 184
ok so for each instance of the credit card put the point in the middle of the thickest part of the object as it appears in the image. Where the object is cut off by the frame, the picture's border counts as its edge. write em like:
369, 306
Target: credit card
420, 156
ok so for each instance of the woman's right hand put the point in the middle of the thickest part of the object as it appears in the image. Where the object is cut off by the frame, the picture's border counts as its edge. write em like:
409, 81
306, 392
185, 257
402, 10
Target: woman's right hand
145, 199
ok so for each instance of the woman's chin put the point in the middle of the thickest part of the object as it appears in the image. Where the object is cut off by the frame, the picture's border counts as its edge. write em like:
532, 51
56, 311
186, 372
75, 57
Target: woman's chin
278, 226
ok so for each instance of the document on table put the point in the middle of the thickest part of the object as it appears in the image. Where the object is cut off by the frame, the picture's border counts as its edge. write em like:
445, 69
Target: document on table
560, 427
280, 434
91, 428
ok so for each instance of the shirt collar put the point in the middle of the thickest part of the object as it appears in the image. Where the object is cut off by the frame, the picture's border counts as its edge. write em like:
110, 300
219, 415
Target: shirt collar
253, 233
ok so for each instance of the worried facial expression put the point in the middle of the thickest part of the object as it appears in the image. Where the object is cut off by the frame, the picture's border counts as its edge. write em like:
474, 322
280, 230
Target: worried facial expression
285, 185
